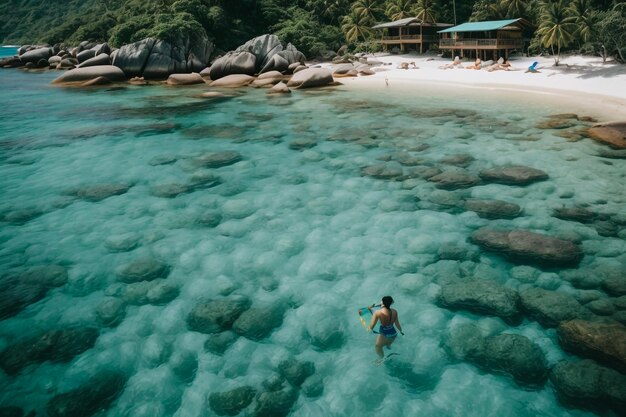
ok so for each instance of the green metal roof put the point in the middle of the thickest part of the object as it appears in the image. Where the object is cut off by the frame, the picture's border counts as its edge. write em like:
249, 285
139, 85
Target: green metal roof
480, 26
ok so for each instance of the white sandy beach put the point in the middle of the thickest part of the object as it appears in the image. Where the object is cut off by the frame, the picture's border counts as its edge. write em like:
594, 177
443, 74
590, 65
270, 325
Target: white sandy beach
578, 79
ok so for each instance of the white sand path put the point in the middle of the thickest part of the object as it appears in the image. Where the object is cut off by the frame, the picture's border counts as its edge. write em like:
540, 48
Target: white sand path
580, 81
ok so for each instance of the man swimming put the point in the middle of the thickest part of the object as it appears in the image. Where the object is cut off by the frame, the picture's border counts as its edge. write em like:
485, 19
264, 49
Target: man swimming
388, 318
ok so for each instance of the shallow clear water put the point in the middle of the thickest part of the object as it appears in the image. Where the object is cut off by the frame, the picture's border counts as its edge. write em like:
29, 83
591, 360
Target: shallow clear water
7, 50
300, 229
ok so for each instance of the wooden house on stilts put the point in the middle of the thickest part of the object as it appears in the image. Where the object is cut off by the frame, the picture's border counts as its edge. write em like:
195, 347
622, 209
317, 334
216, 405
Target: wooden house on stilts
409, 34
486, 40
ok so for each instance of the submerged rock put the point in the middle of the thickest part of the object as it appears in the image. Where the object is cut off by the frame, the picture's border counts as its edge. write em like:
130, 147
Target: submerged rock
143, 269
157, 292
483, 297
449, 180
275, 403
257, 323
55, 346
111, 311
122, 243
605, 343
230, 403
612, 134
510, 354
296, 372
493, 209
513, 175
219, 342
185, 79
550, 308
523, 246
95, 395
586, 384
382, 171
578, 214
218, 315
217, 159
95, 193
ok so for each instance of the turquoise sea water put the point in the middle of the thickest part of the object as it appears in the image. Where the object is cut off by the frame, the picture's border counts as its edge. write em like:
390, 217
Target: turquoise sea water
7, 50
293, 227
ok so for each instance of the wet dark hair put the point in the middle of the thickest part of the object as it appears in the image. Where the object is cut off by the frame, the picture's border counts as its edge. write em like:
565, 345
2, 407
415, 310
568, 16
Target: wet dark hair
387, 301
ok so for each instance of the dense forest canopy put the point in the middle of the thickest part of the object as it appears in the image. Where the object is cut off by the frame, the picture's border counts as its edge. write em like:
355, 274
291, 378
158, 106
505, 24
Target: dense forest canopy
314, 26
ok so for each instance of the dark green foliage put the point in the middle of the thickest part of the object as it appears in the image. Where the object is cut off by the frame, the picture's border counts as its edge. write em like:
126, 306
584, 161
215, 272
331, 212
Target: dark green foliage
313, 26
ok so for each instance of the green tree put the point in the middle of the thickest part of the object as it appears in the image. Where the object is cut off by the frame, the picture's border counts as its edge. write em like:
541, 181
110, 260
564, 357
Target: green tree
556, 27
401, 9
611, 32
369, 10
585, 18
426, 11
515, 8
356, 27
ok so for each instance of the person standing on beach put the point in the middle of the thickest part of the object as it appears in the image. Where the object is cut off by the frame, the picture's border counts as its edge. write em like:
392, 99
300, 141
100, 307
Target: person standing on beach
388, 322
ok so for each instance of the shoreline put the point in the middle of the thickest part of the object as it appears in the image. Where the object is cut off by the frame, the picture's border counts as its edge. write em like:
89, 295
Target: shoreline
603, 96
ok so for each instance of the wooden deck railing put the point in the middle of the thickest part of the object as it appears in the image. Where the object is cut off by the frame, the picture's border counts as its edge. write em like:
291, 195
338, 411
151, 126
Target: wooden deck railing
481, 43
410, 38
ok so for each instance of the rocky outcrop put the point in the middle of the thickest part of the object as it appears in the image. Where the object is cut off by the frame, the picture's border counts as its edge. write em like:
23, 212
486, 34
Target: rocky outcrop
612, 134
550, 308
262, 54
55, 346
218, 315
81, 75
482, 297
36, 55
510, 354
157, 59
605, 343
311, 77
513, 175
528, 247
586, 384
95, 394
493, 209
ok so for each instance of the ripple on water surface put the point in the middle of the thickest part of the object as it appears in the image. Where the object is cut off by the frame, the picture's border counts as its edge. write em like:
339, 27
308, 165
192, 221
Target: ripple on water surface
165, 254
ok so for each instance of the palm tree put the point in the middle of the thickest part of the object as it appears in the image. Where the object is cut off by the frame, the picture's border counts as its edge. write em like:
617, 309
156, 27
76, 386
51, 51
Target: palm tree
584, 16
367, 9
556, 26
400, 9
515, 8
356, 27
490, 11
426, 13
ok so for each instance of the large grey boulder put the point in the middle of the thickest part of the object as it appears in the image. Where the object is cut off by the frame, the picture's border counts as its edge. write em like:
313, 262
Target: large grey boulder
102, 59
311, 77
36, 55
95, 395
275, 63
240, 62
55, 346
157, 59
550, 308
263, 47
233, 81
603, 342
85, 55
110, 72
513, 175
483, 297
588, 385
528, 247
